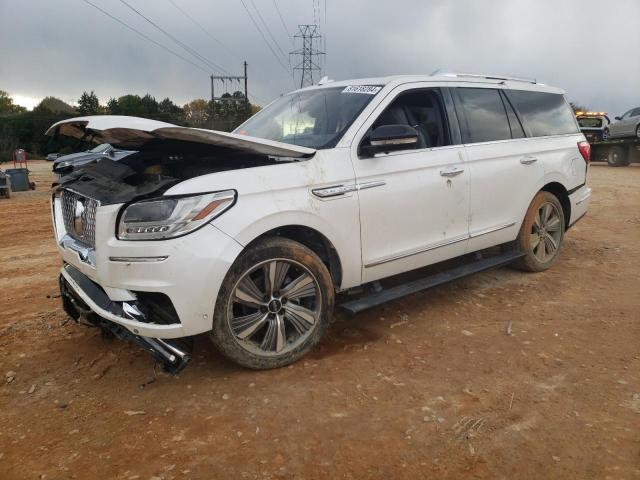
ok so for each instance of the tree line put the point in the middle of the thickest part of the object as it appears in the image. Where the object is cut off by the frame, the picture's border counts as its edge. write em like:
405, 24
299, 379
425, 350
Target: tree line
22, 128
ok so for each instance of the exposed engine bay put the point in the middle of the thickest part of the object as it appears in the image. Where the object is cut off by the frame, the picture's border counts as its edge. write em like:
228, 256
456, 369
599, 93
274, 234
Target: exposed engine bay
166, 155
157, 168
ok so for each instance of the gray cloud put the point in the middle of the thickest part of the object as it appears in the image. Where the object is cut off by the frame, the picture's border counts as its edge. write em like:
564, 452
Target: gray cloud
63, 47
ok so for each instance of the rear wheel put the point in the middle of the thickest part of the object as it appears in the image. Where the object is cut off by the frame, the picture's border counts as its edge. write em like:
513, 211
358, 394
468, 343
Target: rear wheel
274, 305
617, 157
638, 131
541, 233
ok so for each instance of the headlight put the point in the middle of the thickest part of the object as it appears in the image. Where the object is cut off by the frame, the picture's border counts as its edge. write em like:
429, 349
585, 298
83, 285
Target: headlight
61, 165
172, 216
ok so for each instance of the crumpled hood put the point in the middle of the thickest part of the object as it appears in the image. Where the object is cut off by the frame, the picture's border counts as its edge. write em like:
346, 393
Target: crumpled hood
134, 133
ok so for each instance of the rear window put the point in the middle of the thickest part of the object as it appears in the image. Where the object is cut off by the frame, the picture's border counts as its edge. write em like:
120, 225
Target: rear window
486, 117
590, 122
543, 113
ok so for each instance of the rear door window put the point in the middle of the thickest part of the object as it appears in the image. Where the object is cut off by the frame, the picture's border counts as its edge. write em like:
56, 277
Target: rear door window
543, 113
486, 117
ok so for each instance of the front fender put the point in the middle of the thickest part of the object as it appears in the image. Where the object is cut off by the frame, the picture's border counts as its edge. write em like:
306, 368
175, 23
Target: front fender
337, 220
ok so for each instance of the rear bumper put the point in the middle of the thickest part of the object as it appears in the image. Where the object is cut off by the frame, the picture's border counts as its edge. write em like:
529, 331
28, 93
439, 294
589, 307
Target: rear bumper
580, 200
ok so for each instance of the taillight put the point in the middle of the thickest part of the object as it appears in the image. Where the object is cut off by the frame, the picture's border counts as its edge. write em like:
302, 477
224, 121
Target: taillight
585, 151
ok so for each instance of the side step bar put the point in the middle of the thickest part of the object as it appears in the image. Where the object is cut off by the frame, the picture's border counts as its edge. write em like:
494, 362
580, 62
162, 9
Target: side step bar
378, 298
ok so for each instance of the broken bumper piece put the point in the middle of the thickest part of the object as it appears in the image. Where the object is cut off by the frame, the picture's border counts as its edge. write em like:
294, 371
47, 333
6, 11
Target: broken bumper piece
84, 299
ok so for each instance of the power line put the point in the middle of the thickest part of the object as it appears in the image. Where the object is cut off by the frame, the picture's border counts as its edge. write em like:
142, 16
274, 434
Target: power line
199, 25
264, 38
167, 49
145, 36
308, 33
266, 27
284, 25
210, 35
175, 40
315, 15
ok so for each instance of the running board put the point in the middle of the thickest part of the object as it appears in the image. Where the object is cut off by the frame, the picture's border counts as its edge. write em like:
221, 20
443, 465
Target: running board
378, 298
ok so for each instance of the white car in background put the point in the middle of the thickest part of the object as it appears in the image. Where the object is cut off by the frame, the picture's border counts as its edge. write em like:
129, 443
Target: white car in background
628, 125
248, 236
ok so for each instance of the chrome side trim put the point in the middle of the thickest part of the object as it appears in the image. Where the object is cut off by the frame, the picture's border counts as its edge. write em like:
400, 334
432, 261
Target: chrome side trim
161, 258
432, 246
479, 233
372, 184
333, 191
336, 190
394, 141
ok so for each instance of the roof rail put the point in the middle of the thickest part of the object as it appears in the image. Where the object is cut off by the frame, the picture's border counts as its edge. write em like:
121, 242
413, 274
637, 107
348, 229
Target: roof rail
484, 76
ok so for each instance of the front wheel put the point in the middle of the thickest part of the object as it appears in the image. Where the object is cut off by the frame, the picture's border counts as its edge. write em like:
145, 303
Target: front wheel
274, 305
541, 233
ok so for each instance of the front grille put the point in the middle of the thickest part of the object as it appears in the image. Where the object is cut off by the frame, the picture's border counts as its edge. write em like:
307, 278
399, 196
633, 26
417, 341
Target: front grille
79, 214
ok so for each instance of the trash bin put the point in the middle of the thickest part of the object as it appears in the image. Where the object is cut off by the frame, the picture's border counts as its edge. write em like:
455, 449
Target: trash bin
5, 185
19, 179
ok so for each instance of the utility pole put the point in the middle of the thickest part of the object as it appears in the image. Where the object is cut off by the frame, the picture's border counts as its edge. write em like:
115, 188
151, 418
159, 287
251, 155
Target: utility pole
246, 92
231, 79
308, 34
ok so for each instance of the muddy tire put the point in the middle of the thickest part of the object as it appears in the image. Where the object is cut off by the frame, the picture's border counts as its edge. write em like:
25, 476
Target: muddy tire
541, 233
274, 305
617, 157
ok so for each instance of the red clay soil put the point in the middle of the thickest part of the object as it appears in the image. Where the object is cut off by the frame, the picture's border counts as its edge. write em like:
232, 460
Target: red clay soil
428, 387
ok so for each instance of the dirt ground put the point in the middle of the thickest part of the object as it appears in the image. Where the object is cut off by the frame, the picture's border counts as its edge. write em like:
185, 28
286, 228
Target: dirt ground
428, 387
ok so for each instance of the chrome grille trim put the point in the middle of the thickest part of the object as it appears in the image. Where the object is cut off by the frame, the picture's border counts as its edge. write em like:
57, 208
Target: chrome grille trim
69, 201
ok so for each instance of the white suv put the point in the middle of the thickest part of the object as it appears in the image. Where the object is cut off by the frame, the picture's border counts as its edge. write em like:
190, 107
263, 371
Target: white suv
249, 235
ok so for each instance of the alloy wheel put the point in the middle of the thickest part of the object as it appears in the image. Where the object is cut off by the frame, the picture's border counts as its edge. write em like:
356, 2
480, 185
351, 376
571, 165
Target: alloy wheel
274, 307
546, 232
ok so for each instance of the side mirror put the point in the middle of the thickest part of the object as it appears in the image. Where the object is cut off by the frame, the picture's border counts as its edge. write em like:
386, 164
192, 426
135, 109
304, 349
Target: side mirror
389, 138
618, 118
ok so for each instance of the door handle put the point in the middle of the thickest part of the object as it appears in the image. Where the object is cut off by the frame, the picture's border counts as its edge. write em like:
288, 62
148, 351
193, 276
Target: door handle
451, 172
528, 160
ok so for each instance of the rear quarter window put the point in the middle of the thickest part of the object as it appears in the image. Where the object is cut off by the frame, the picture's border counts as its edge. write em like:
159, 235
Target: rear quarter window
543, 113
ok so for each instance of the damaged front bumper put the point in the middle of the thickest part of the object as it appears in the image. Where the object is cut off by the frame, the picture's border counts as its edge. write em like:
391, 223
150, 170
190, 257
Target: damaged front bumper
82, 298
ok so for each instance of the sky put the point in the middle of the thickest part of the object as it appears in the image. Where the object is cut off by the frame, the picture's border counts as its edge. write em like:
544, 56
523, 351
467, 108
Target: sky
64, 47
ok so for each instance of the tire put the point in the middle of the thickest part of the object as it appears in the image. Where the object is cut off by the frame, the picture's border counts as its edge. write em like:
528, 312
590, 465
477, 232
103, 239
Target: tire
638, 132
617, 157
541, 233
261, 327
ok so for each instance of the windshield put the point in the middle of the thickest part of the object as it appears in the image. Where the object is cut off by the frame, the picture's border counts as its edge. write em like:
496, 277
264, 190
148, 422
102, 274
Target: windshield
314, 118
103, 147
590, 122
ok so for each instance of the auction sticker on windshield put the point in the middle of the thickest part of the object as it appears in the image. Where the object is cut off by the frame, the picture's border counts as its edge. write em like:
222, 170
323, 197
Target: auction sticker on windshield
367, 89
